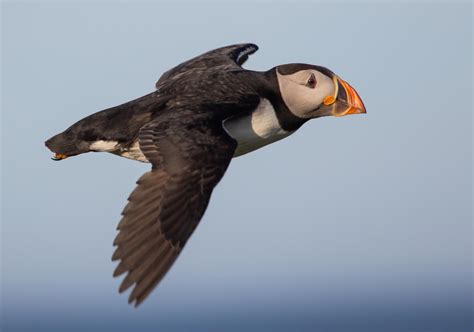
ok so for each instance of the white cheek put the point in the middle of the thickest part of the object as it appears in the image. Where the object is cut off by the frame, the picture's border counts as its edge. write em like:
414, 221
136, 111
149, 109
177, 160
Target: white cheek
302, 100
324, 87
307, 99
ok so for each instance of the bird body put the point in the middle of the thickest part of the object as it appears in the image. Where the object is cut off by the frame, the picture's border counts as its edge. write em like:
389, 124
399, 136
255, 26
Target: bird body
203, 113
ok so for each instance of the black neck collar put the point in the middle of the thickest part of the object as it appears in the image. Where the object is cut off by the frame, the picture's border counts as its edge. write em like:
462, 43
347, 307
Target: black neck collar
288, 121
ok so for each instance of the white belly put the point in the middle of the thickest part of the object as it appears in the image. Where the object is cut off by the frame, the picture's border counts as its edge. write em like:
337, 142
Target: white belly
133, 152
255, 130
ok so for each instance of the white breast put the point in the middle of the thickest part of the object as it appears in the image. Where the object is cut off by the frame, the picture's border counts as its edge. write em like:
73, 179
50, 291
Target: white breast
255, 130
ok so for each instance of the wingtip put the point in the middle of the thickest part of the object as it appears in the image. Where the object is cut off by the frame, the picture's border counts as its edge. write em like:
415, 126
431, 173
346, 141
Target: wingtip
120, 269
116, 255
133, 301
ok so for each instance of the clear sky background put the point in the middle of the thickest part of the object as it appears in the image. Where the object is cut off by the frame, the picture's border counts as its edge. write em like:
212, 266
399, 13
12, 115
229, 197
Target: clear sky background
355, 223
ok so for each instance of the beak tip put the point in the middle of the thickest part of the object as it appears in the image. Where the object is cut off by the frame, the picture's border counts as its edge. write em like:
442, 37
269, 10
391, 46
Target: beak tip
352, 100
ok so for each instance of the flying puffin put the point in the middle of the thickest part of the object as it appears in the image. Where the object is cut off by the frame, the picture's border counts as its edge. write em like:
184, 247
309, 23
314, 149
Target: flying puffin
203, 113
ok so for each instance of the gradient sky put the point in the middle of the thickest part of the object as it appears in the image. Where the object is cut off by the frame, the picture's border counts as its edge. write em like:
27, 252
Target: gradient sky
355, 223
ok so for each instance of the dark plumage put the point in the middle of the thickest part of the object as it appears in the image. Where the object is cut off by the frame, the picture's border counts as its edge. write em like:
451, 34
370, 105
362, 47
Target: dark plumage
204, 112
169, 201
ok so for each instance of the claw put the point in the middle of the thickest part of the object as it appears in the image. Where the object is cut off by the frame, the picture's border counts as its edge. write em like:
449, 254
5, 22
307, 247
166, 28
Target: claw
59, 156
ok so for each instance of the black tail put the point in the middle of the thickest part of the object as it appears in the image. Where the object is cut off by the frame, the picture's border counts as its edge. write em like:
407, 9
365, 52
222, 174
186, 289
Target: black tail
65, 144
119, 123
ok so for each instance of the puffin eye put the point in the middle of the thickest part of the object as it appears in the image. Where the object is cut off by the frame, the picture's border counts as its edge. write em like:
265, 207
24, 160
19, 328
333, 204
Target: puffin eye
311, 83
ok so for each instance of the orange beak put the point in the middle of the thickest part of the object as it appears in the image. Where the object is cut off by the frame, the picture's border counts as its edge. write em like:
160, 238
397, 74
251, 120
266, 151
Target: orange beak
348, 100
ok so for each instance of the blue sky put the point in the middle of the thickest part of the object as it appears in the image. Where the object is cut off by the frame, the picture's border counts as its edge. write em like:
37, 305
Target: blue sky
354, 223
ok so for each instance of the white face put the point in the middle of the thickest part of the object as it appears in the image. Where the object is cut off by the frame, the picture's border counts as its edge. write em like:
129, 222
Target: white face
305, 90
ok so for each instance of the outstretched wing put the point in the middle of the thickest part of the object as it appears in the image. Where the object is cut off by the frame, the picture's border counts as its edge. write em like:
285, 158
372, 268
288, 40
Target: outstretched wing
164, 209
226, 57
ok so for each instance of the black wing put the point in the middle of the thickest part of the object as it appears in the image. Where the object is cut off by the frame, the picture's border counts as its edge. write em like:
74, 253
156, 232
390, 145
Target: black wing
224, 57
188, 159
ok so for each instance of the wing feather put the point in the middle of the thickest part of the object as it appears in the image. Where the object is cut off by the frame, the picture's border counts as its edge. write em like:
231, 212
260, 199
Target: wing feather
169, 201
228, 57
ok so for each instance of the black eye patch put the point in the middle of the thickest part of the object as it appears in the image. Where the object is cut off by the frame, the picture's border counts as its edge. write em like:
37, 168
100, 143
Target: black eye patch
311, 83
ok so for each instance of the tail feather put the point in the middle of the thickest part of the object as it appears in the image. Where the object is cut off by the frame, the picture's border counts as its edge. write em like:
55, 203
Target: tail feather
65, 145
120, 123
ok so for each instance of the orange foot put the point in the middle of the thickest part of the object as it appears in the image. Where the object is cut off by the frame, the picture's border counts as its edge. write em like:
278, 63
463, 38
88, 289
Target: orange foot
59, 156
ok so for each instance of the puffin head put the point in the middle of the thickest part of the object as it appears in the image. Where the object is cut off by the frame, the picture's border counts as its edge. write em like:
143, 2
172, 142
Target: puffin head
312, 91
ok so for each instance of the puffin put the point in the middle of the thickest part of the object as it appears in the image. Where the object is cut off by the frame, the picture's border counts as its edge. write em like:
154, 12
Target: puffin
203, 113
